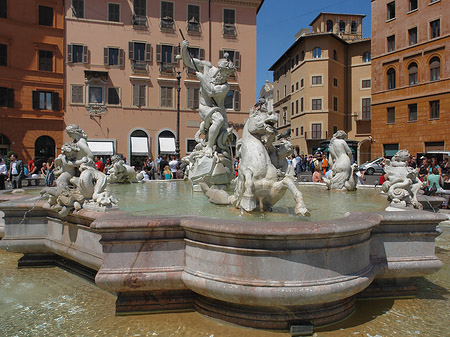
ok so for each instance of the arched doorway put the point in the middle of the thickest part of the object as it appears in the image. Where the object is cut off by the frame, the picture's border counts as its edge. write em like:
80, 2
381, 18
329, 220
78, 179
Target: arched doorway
4, 145
139, 148
44, 148
166, 143
364, 151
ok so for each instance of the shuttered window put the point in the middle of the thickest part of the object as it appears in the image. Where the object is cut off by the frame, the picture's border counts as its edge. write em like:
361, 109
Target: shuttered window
77, 94
139, 91
45, 100
233, 55
366, 109
78, 8
113, 96
140, 7
77, 53
6, 97
166, 97
113, 12
139, 51
233, 100
193, 98
45, 60
113, 56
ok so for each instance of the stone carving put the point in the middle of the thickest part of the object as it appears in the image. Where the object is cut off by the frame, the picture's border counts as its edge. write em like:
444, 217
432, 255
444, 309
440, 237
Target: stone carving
212, 157
122, 173
79, 184
263, 177
401, 184
343, 174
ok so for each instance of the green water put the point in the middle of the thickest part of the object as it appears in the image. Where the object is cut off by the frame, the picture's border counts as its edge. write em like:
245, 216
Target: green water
177, 198
52, 302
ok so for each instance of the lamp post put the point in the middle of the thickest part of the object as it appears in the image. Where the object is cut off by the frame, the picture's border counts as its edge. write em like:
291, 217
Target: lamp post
177, 144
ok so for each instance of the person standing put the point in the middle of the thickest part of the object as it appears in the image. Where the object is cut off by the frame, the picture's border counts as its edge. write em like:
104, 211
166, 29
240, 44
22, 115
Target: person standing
173, 163
162, 165
50, 176
16, 171
98, 164
3, 173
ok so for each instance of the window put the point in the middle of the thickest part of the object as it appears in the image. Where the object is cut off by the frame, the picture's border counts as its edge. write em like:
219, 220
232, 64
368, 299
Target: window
391, 115
391, 10
95, 94
341, 26
139, 91
113, 56
365, 83
292, 108
233, 100
412, 5
366, 57
412, 116
317, 53
296, 132
139, 53
391, 43
303, 55
167, 15
78, 8
193, 96
434, 109
412, 35
335, 55
285, 120
285, 91
366, 109
391, 78
296, 106
113, 96
166, 98
45, 100
77, 94
165, 56
315, 80
296, 86
302, 82
6, 97
229, 21
45, 16
335, 82
301, 130
413, 73
45, 60
296, 59
390, 149
140, 7
335, 103
113, 12
302, 105
354, 27
292, 88
193, 18
3, 9
435, 69
435, 28
77, 53
316, 131
233, 55
317, 104
3, 55
329, 26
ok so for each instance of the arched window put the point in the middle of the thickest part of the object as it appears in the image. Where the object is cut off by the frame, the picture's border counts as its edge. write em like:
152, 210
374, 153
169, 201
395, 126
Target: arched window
354, 27
139, 147
44, 148
317, 53
413, 74
166, 141
435, 69
366, 56
329, 26
391, 78
342, 26
334, 54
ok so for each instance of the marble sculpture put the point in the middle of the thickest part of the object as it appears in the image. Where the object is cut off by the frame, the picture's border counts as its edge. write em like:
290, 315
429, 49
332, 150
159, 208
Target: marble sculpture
79, 184
121, 172
262, 177
343, 174
401, 184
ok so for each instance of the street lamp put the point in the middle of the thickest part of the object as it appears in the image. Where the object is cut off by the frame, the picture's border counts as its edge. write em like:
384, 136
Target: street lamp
177, 144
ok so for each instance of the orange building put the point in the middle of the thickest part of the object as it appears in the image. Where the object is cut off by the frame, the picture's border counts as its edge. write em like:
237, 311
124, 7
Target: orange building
31, 78
411, 76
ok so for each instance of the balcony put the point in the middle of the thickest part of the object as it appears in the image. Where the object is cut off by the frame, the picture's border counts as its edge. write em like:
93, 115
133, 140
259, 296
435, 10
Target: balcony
229, 30
166, 68
139, 66
193, 26
139, 21
167, 24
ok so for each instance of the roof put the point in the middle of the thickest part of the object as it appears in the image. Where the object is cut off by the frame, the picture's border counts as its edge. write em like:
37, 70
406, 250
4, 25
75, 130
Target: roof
329, 13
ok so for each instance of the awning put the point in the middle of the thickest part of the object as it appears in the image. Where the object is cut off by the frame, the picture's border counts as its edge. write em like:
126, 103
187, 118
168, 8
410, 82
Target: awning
99, 148
139, 146
167, 145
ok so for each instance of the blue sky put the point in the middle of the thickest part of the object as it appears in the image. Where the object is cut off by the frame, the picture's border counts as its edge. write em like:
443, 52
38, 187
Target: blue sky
279, 20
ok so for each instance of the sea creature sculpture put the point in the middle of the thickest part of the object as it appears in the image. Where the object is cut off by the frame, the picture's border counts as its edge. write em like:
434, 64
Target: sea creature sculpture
121, 172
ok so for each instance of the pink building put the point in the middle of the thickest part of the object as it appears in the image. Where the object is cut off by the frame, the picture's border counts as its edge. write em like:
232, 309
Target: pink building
121, 69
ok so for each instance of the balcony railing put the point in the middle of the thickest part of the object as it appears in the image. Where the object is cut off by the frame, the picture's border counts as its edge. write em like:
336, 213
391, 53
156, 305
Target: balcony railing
229, 30
167, 23
193, 27
139, 21
166, 68
139, 66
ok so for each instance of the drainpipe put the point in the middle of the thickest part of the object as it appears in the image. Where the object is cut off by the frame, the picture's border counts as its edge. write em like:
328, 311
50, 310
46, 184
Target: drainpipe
209, 24
64, 59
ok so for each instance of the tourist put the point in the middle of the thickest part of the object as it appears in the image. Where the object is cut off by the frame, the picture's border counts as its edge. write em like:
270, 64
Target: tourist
360, 175
324, 165
445, 166
50, 176
151, 166
108, 166
99, 164
434, 181
33, 172
317, 177
163, 163
173, 163
179, 174
434, 164
44, 169
144, 173
383, 178
16, 171
422, 174
3, 173
167, 173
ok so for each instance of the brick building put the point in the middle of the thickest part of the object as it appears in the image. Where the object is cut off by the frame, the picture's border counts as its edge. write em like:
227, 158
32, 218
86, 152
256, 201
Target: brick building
411, 76
31, 77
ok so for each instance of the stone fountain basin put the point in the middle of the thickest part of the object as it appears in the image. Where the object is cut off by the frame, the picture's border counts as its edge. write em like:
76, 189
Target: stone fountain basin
260, 274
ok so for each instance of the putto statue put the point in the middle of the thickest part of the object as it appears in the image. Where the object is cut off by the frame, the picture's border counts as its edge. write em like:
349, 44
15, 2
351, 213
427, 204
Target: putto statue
211, 158
261, 180
79, 184
401, 184
343, 174
122, 173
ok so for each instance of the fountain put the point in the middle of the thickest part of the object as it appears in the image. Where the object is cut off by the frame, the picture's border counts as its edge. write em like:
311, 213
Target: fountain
284, 273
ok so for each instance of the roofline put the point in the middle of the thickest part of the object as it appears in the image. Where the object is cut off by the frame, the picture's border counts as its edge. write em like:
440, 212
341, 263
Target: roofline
363, 15
259, 7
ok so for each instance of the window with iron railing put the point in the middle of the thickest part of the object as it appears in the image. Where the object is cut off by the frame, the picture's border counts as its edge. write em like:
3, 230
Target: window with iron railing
229, 22
193, 19
139, 53
167, 22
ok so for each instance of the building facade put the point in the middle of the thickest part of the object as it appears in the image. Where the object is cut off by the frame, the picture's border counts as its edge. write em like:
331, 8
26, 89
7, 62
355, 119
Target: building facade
411, 72
322, 84
31, 78
121, 69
